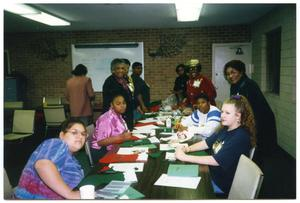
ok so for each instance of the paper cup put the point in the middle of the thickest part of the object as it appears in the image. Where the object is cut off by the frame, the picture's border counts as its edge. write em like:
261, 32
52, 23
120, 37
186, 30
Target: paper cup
87, 192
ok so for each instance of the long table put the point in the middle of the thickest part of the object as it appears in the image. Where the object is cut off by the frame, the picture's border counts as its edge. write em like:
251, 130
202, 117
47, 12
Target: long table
153, 169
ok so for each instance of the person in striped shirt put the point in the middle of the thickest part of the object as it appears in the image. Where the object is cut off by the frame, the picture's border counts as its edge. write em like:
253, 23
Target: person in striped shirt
205, 120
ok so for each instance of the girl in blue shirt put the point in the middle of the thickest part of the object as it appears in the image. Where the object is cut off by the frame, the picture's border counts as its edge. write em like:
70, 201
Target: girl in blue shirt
235, 138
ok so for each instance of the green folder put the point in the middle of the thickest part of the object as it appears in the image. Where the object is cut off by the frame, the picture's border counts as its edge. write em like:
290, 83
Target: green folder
97, 179
131, 143
133, 193
183, 170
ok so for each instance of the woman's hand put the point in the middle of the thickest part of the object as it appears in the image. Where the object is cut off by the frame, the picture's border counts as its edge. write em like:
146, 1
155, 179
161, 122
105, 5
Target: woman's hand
179, 153
127, 135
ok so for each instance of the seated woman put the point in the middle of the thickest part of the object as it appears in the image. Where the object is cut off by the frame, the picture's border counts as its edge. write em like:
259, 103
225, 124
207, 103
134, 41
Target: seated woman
110, 129
234, 139
204, 121
52, 171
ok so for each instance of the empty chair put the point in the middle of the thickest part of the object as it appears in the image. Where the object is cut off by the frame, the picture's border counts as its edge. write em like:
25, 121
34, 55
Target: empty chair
13, 105
8, 189
52, 101
251, 153
23, 125
247, 180
54, 116
90, 130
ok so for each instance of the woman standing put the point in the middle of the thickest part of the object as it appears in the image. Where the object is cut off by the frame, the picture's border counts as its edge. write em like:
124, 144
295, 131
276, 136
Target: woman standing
116, 84
235, 74
110, 129
79, 93
197, 84
236, 138
179, 88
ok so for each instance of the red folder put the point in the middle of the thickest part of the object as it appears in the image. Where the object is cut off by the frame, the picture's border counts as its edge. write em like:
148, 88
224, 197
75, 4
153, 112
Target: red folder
133, 138
118, 158
144, 124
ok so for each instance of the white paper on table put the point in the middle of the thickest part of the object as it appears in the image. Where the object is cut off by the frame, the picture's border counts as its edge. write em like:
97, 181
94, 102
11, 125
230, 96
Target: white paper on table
154, 140
130, 176
170, 156
123, 167
165, 147
181, 182
141, 136
132, 150
148, 120
146, 129
142, 157
173, 137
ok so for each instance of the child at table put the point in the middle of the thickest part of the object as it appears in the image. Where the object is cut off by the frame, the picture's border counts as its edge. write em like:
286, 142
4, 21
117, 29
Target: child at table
110, 129
52, 171
235, 138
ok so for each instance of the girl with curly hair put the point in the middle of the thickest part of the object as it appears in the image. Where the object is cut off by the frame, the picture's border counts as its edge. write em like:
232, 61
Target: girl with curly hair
236, 137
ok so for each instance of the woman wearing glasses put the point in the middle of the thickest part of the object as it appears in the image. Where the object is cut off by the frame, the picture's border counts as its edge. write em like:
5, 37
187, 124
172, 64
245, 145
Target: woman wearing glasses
110, 129
52, 172
236, 137
235, 74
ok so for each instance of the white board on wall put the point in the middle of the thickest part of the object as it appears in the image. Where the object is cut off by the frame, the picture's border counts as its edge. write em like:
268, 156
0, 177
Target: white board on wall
97, 58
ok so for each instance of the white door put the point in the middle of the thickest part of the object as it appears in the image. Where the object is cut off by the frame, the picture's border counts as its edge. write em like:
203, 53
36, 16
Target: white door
223, 53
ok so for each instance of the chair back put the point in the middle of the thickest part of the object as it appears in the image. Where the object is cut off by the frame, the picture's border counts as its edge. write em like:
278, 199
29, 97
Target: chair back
13, 105
8, 189
251, 153
247, 180
23, 121
54, 115
90, 130
52, 101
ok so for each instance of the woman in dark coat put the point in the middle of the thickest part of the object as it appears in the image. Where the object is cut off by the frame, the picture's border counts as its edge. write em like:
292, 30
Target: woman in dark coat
235, 74
116, 84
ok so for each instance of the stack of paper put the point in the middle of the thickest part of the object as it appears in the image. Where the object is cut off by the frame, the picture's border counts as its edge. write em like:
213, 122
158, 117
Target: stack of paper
170, 156
180, 175
112, 190
132, 150
145, 129
154, 140
181, 182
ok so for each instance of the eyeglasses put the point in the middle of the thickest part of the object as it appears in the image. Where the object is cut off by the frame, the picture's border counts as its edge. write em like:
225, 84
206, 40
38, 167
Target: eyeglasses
236, 97
75, 132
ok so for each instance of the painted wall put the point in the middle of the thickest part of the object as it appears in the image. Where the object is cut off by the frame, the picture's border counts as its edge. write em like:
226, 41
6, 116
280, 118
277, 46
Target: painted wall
284, 104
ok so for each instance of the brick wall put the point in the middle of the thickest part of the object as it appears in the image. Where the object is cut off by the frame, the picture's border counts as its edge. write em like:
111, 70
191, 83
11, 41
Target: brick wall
47, 77
284, 104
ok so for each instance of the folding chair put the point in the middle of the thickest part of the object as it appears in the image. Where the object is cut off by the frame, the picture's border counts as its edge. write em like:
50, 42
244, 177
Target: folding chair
8, 189
247, 180
54, 116
90, 130
14, 105
52, 101
23, 125
251, 153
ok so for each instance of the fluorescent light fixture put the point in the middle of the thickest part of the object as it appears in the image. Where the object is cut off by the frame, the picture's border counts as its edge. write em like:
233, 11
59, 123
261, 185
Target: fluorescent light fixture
188, 11
36, 15
20, 9
47, 19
